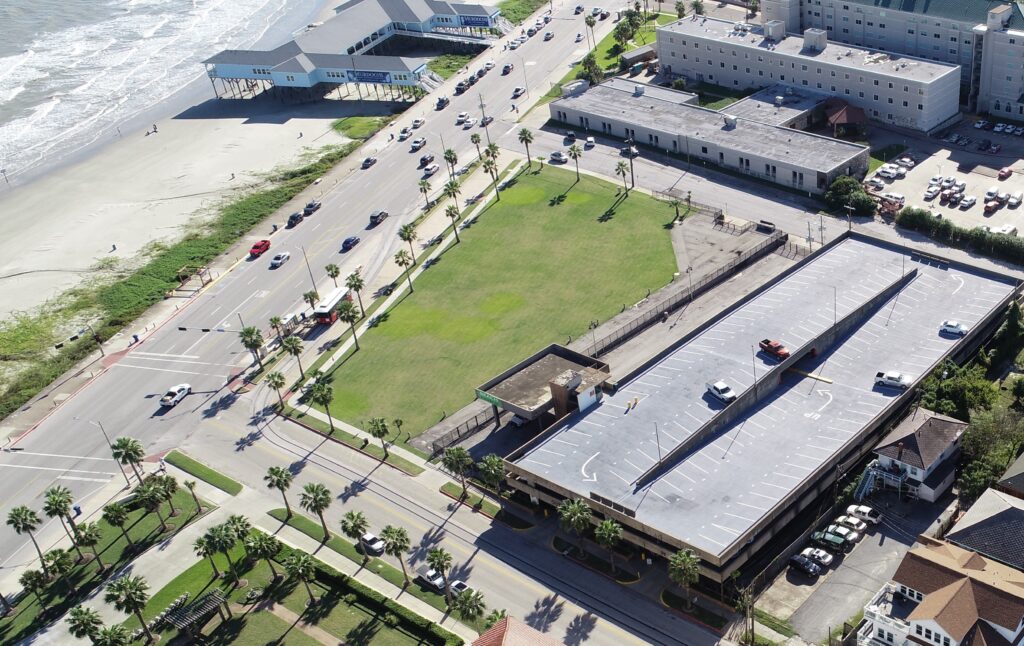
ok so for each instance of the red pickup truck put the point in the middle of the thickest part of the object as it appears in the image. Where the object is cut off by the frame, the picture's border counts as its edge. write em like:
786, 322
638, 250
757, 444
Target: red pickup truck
774, 348
259, 248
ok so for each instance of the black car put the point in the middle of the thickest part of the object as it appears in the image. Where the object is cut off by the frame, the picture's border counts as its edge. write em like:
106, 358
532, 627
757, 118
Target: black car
378, 217
426, 159
570, 136
369, 161
804, 564
507, 68
461, 87
311, 208
294, 219
349, 243
486, 120
579, 9
442, 102
480, 72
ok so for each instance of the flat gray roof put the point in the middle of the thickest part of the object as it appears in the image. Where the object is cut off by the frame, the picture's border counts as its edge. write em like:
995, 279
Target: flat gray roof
665, 110
712, 498
761, 105
840, 54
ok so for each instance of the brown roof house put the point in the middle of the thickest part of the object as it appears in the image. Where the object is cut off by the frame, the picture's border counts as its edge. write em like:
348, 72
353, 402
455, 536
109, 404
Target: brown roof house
512, 632
944, 595
920, 454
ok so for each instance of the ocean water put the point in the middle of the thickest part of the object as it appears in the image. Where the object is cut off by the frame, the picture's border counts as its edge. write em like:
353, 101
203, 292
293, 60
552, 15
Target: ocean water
73, 71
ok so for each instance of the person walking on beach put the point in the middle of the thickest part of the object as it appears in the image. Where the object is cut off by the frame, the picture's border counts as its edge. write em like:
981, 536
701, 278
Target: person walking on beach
300, 135
154, 128
113, 248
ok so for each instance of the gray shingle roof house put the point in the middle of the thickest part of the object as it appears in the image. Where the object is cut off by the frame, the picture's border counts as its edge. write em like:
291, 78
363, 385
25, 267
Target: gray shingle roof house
993, 527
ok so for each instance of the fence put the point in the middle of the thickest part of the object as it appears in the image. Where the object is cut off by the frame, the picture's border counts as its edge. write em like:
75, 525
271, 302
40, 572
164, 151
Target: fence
463, 430
694, 207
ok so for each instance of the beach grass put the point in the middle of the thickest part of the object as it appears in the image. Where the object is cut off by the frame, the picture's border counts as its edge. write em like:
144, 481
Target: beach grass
448, 65
203, 472
516, 11
513, 285
360, 127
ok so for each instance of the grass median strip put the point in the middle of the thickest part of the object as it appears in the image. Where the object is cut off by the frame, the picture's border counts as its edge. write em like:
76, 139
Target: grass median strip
780, 626
484, 505
203, 472
593, 562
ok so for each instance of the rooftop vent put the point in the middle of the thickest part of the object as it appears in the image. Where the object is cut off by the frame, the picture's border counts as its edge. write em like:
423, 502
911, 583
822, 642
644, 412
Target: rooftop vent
730, 121
779, 100
815, 40
638, 90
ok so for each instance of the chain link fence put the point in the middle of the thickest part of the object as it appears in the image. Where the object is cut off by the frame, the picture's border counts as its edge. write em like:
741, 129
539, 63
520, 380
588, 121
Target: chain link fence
463, 430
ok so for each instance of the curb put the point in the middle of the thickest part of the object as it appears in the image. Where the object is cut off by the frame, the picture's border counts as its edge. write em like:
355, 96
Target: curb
689, 617
585, 565
484, 513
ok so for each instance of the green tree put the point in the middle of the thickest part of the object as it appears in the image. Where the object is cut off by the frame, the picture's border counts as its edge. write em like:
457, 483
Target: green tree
276, 324
425, 190
84, 623
608, 534
222, 539
575, 152
684, 570
277, 381
450, 158
453, 214
960, 391
280, 478
348, 313
622, 170
526, 138
680, 9
150, 496
322, 395
300, 567
89, 535
862, 203
191, 486
117, 515
240, 527
60, 563
127, 450
494, 617
252, 340
590, 21
293, 345
168, 486
310, 298
316, 498
404, 260
407, 233
35, 582
203, 549
333, 271
574, 515
752, 7
355, 282
354, 524
698, 7
475, 140
469, 604
441, 561
491, 168
452, 190
492, 471
457, 461
589, 68
622, 33
57, 504
977, 476
116, 635
24, 520
396, 544
264, 546
129, 594
378, 429
492, 151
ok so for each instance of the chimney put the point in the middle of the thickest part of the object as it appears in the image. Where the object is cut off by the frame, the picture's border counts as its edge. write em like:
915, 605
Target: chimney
899, 455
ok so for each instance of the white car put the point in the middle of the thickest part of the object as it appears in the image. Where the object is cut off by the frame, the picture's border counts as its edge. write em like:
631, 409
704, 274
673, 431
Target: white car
956, 328
280, 259
936, 180
980, 123
489, 65
417, 143
865, 513
579, 37
513, 44
1015, 199
175, 394
461, 117
469, 123
895, 197
589, 143
931, 192
430, 170
853, 523
518, 92
818, 555
847, 533
721, 391
968, 202
559, 157
948, 182
887, 173
991, 193
875, 183
906, 162
999, 127
959, 186
371, 544
417, 123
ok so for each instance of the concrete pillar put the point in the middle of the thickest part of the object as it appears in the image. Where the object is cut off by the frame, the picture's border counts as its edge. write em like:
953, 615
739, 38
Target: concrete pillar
496, 413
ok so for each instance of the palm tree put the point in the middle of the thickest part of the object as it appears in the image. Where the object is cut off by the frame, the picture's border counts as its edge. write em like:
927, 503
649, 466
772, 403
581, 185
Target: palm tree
168, 486
440, 561
89, 535
575, 152
117, 515
129, 594
590, 22
680, 9
277, 381
239, 526
84, 623
684, 570
475, 140
575, 516
202, 548
453, 212
316, 498
150, 496
293, 346
621, 169
280, 478
608, 534
24, 520
127, 450
252, 340
469, 604
425, 190
35, 582
492, 471
491, 168
457, 460
408, 234
526, 138
404, 260
322, 394
221, 539
264, 546
333, 271
698, 7
378, 429
276, 322
60, 564
451, 191
311, 297
349, 313
396, 544
494, 617
492, 151
57, 504
354, 524
451, 159
300, 566
191, 486
355, 282
116, 635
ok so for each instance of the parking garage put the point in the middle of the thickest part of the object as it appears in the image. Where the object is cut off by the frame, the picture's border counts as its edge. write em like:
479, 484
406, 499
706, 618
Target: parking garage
679, 469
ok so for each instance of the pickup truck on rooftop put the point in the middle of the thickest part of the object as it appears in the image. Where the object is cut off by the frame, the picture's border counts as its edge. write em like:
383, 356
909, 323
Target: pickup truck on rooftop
774, 348
893, 379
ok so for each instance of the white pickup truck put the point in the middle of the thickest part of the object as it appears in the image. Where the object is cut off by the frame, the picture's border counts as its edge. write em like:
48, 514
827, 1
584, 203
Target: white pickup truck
721, 391
893, 379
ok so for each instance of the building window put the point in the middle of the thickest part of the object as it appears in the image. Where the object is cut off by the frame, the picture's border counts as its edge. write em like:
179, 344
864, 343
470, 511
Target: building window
704, 149
918, 630
945, 641
881, 634
905, 104
927, 633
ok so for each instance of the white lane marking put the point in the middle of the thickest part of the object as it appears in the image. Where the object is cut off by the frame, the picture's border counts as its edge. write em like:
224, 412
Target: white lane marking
84, 479
181, 372
25, 466
537, 462
219, 308
58, 455
196, 363
163, 354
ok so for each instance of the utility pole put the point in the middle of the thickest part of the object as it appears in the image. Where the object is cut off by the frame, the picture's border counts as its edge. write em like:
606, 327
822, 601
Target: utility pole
483, 119
849, 219
311, 279
111, 446
629, 152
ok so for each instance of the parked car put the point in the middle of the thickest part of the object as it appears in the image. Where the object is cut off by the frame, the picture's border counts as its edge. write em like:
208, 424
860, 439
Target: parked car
906, 162
841, 530
349, 243
174, 395
936, 180
948, 182
721, 391
294, 219
853, 523
1003, 197
442, 102
458, 586
489, 65
369, 161
992, 206
954, 328
865, 513
372, 544
430, 170
430, 578
514, 44
259, 248
999, 127
311, 207
469, 123
968, 202
1015, 199
1005, 172
418, 123
980, 124
461, 117
559, 157
774, 348
805, 565
830, 541
959, 186
417, 143
931, 192
991, 193
589, 143
873, 183
886, 172
818, 555
893, 379
280, 259
548, 35
570, 136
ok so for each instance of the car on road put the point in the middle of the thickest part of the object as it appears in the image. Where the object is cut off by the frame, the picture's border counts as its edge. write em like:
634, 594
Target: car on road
469, 123
513, 44
804, 565
629, 151
430, 170
458, 586
431, 579
995, 148
294, 219
349, 243
579, 37
175, 394
518, 92
865, 513
853, 523
442, 102
481, 72
774, 348
369, 161
486, 120
841, 530
489, 65
721, 391
558, 157
508, 67
604, 15
426, 159
280, 259
461, 87
931, 192
893, 379
596, 11
578, 10
417, 143
418, 123
371, 544
377, 217
311, 207
548, 35
461, 117
259, 248
968, 202
954, 328
404, 134
818, 555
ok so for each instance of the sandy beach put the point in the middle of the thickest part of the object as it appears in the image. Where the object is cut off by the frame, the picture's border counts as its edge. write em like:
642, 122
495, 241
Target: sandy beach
147, 187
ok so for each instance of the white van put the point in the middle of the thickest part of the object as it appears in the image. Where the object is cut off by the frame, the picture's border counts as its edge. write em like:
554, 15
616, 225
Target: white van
1015, 199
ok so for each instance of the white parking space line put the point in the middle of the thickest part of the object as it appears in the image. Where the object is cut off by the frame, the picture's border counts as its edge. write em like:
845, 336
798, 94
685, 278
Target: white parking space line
572, 430
726, 529
587, 421
752, 506
528, 459
749, 520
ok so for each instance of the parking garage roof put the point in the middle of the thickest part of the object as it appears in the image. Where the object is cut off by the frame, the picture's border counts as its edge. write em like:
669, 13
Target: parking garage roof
713, 497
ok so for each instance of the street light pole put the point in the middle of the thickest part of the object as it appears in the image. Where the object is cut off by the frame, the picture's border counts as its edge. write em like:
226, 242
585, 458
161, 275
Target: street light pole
111, 446
629, 152
310, 270
483, 119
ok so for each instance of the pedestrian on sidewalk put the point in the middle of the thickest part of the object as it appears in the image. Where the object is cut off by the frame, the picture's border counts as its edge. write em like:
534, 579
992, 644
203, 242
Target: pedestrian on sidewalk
163, 466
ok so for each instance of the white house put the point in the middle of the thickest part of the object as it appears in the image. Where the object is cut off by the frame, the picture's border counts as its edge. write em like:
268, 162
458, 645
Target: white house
920, 454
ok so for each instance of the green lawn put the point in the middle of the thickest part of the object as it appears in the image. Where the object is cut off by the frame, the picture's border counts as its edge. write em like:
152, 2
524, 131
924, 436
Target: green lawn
256, 629
536, 268
448, 65
141, 527
203, 472
360, 127
883, 155
516, 11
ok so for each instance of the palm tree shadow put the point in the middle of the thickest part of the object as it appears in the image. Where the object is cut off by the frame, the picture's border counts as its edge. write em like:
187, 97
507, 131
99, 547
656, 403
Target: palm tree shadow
363, 633
579, 629
429, 540
558, 199
545, 612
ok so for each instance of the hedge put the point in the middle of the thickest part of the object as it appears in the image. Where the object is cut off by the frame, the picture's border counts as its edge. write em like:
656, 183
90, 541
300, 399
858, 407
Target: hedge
993, 245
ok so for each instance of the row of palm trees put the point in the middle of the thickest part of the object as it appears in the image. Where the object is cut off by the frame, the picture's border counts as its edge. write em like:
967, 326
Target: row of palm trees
129, 594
